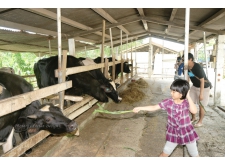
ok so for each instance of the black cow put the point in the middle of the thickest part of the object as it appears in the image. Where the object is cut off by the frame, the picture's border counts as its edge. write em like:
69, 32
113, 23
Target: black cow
91, 82
126, 66
31, 118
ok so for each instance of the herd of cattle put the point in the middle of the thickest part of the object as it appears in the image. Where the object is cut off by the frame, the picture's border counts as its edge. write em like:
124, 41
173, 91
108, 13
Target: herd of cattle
36, 117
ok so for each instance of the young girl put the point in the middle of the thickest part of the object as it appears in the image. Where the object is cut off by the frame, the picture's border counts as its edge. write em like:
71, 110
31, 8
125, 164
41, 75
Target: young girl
179, 127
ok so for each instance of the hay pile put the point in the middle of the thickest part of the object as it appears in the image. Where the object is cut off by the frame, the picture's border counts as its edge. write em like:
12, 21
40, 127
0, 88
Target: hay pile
133, 93
140, 83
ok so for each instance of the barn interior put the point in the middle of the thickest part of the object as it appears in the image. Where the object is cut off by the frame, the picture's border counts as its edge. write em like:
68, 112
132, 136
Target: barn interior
44, 30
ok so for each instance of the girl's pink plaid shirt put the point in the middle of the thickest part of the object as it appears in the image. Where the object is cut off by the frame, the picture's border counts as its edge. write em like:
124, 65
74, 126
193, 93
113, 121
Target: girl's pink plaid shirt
179, 127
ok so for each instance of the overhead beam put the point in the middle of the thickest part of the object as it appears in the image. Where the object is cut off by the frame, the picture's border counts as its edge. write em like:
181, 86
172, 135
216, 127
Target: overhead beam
211, 19
124, 22
52, 15
154, 44
105, 15
182, 26
141, 12
172, 16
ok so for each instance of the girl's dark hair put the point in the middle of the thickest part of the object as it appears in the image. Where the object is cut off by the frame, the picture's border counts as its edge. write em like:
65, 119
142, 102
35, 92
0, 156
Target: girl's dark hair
181, 86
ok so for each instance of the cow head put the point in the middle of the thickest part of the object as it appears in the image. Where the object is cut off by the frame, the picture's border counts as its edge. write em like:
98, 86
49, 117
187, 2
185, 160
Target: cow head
46, 117
110, 90
126, 67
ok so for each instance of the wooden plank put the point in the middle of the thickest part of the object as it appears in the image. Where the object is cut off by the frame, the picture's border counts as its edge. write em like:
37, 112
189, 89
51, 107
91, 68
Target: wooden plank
74, 107
82, 109
15, 103
80, 69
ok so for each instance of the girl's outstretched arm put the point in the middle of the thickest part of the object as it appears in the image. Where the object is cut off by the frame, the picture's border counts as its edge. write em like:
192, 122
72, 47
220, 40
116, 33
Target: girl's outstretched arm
192, 106
146, 108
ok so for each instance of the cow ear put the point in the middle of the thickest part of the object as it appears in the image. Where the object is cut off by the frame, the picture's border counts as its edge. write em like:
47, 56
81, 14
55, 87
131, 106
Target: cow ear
32, 116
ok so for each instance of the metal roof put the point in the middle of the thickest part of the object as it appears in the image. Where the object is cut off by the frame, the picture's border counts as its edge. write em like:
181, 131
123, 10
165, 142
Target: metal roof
85, 25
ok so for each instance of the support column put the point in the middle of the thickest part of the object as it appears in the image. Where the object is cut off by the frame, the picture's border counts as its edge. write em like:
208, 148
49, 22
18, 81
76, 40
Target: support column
187, 17
219, 69
150, 57
61, 94
71, 43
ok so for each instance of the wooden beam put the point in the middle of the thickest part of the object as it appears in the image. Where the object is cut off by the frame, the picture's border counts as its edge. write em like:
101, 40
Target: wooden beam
18, 102
48, 33
182, 26
80, 69
141, 12
13, 25
105, 15
172, 16
124, 22
52, 15
211, 19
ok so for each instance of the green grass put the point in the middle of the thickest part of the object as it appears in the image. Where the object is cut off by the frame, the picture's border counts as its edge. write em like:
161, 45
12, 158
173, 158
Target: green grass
102, 110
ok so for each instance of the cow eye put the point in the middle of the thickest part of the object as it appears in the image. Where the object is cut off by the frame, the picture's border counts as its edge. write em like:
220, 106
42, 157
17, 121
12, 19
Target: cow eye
107, 90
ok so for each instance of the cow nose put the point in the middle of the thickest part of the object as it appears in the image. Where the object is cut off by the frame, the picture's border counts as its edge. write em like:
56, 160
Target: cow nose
72, 126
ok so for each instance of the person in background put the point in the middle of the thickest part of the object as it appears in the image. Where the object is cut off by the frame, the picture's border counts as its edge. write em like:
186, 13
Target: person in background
199, 91
179, 127
179, 66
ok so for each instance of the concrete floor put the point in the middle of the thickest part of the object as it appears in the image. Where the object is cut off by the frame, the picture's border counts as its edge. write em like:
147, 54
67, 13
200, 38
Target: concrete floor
133, 135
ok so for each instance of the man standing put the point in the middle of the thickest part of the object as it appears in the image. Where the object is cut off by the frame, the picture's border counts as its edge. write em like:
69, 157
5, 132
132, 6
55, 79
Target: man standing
199, 92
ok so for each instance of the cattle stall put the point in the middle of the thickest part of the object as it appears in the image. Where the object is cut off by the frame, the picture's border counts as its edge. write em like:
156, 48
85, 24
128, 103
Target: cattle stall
17, 102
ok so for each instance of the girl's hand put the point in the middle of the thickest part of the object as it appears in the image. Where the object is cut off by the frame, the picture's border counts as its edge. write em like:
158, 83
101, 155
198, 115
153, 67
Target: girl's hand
201, 97
136, 110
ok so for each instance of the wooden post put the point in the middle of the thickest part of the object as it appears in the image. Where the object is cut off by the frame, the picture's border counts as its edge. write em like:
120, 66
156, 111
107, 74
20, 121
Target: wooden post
219, 69
121, 54
131, 57
206, 59
187, 17
106, 68
126, 49
49, 45
135, 56
103, 42
71, 43
59, 55
150, 57
62, 93
113, 56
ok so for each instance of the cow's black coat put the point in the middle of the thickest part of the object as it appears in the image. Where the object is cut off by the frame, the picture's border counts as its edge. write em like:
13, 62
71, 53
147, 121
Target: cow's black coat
92, 83
30, 117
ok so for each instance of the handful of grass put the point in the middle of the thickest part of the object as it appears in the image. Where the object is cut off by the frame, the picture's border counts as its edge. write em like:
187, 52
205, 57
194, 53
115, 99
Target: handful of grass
202, 106
102, 110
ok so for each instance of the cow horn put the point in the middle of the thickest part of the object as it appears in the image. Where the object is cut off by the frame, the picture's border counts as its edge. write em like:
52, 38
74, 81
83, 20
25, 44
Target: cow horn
32, 116
45, 108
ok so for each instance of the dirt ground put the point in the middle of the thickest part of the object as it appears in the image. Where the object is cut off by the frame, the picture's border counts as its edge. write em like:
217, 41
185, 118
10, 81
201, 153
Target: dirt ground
133, 135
